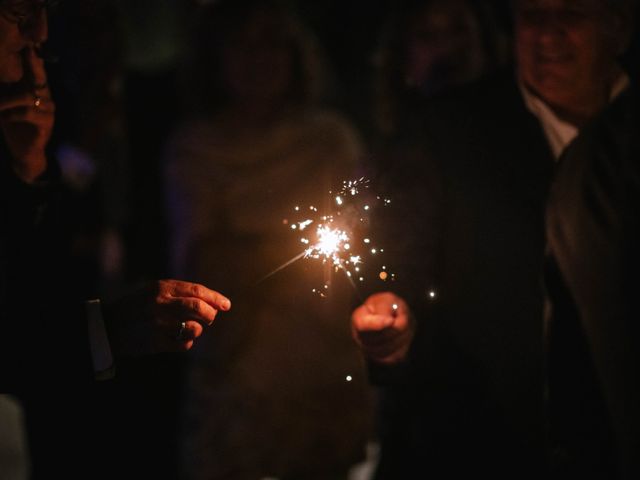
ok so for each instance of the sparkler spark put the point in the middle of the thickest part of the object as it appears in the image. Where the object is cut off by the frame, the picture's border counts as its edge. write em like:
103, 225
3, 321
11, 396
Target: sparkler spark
330, 243
339, 233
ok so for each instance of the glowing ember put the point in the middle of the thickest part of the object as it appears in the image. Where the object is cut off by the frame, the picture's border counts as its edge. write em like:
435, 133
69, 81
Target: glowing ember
305, 224
339, 233
330, 243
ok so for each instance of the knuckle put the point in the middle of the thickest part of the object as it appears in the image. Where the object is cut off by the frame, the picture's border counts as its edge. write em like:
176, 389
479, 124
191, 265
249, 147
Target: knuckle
196, 306
196, 290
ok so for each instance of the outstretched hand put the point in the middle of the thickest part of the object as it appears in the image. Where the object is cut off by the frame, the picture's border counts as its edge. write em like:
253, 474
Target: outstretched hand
383, 328
165, 316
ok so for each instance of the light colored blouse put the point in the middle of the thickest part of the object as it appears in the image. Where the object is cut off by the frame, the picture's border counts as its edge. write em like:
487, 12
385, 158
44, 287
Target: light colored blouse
277, 386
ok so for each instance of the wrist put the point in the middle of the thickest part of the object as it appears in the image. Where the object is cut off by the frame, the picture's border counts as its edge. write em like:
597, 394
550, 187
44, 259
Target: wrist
397, 357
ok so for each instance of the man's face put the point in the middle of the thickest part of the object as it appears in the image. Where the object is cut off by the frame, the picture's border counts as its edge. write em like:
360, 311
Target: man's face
563, 47
22, 23
11, 45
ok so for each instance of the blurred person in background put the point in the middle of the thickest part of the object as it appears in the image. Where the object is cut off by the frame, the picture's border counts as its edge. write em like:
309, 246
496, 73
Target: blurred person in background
257, 145
427, 48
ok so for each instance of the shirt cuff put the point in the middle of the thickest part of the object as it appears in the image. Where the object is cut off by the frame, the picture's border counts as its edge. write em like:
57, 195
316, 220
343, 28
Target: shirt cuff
103, 365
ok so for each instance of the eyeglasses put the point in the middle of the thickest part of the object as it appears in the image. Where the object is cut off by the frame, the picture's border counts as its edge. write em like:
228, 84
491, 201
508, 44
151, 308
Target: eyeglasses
21, 12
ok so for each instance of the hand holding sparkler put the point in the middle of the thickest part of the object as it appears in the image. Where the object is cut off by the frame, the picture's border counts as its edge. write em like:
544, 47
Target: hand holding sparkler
383, 328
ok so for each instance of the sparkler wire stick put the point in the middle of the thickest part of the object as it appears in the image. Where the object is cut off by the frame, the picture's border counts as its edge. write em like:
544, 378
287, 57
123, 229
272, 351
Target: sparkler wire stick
303, 254
282, 267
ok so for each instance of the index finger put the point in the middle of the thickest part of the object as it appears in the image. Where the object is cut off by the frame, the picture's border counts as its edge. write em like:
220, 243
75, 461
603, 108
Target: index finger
363, 320
386, 303
23, 99
187, 289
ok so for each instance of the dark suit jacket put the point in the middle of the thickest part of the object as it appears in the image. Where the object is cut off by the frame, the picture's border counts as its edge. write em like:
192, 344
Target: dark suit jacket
42, 320
45, 359
593, 228
44, 350
470, 400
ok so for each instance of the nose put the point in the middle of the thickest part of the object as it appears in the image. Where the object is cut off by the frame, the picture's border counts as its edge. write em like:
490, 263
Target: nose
36, 28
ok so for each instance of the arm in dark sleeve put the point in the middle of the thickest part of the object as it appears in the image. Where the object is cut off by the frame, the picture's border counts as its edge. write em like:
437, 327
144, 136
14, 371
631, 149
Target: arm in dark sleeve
409, 229
44, 332
594, 233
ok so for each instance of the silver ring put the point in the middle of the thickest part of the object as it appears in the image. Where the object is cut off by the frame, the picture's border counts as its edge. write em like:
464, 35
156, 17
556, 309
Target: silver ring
37, 101
181, 330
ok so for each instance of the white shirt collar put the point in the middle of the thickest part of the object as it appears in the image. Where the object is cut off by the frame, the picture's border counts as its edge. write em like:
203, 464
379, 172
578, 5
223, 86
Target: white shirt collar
559, 133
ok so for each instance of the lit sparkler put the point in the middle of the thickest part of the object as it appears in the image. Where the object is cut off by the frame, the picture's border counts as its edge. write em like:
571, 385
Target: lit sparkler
337, 239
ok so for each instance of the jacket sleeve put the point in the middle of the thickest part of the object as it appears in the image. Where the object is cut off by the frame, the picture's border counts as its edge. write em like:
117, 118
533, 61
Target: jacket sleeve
43, 331
594, 233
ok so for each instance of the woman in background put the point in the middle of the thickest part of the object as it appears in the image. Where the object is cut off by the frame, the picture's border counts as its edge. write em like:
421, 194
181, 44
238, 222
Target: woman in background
427, 48
257, 146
